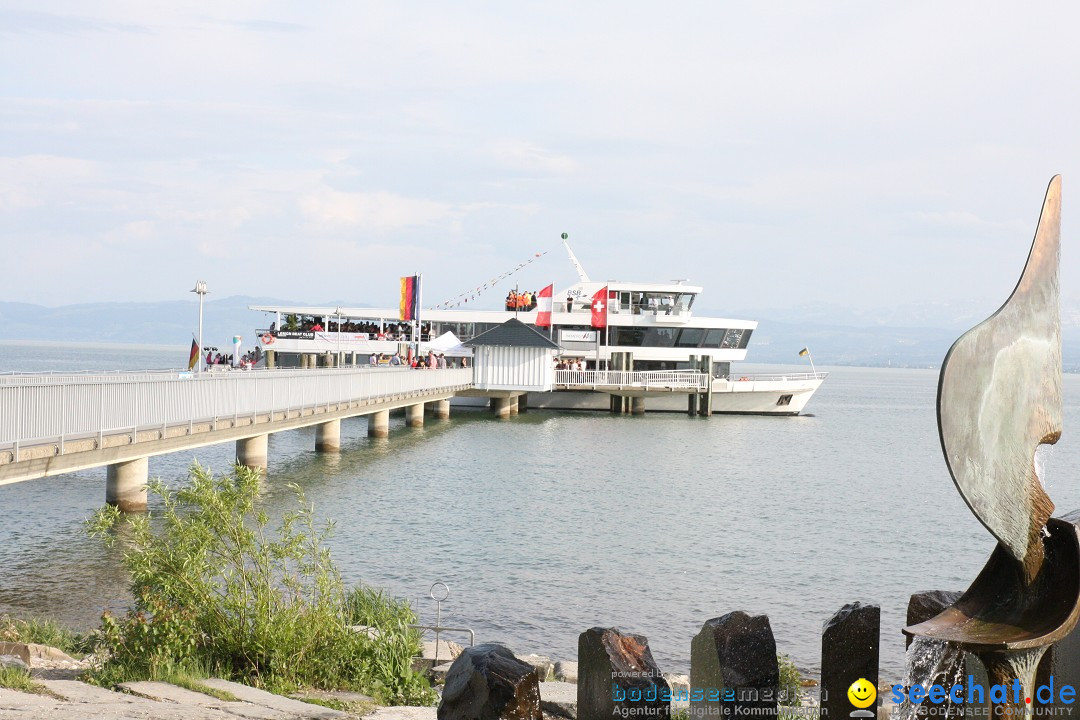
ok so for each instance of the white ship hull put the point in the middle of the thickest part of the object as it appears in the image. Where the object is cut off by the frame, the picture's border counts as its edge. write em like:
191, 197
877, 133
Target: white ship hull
770, 395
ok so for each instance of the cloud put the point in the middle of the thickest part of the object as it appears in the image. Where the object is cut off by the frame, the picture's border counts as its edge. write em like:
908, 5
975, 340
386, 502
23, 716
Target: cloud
379, 211
17, 22
524, 155
33, 180
952, 219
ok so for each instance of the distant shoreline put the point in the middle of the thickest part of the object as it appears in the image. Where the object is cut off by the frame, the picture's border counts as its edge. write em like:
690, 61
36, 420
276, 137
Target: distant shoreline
92, 344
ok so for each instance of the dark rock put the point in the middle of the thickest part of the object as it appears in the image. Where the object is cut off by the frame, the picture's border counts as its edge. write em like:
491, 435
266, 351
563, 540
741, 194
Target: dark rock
487, 682
925, 605
849, 651
733, 665
618, 676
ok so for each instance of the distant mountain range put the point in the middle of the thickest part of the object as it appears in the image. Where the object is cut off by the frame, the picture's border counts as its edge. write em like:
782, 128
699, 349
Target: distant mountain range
172, 322
904, 336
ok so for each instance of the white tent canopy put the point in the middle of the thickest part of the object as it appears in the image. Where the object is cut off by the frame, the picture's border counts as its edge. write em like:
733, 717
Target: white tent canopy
448, 344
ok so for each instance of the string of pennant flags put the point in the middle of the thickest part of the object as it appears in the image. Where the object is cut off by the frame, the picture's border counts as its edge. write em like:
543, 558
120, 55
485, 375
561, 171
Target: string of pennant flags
472, 295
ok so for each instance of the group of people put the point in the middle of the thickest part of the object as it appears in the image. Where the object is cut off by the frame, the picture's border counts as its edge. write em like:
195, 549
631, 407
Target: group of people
397, 331
520, 301
247, 360
433, 361
569, 364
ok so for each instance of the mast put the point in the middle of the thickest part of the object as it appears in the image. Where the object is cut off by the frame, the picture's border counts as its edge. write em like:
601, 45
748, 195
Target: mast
574, 261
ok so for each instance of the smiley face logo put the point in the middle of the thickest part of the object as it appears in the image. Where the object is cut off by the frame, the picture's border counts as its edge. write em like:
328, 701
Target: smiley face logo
862, 693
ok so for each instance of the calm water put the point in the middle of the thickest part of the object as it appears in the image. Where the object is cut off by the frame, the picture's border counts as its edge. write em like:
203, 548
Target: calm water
548, 524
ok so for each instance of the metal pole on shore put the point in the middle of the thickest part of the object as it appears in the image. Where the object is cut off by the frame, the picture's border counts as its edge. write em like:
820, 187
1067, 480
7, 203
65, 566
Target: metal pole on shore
200, 290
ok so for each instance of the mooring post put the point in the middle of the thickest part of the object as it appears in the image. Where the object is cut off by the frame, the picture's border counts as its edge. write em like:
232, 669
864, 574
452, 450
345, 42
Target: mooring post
251, 452
328, 436
379, 424
706, 397
125, 485
501, 406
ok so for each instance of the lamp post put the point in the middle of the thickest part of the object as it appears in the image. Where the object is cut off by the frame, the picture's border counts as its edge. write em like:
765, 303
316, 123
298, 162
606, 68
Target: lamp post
200, 290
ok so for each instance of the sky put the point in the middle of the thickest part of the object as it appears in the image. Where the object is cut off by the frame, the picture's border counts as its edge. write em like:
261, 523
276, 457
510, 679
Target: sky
859, 154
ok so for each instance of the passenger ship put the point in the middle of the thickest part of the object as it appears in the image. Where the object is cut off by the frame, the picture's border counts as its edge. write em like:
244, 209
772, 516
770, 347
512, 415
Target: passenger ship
653, 321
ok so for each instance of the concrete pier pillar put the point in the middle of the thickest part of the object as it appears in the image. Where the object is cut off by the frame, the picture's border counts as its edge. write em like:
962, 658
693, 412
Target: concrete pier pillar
251, 452
125, 485
442, 409
501, 407
414, 415
378, 424
637, 405
271, 359
328, 436
523, 402
513, 403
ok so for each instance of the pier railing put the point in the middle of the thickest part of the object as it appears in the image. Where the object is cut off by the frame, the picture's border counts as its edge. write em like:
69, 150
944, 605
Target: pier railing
41, 408
645, 379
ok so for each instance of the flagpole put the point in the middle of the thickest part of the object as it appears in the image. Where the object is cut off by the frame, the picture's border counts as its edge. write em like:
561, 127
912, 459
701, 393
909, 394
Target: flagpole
419, 304
811, 359
607, 326
551, 316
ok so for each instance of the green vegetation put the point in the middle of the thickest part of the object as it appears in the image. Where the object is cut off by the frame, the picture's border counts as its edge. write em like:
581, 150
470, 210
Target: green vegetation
16, 678
44, 632
219, 589
790, 694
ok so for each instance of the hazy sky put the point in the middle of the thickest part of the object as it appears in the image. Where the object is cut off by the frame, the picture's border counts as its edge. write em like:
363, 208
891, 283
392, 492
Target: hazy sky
861, 153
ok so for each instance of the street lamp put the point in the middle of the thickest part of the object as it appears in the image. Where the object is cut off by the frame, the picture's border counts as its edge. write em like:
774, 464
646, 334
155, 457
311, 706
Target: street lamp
200, 290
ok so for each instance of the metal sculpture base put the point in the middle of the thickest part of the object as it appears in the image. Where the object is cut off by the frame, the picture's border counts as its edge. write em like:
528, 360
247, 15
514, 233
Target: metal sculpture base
1008, 623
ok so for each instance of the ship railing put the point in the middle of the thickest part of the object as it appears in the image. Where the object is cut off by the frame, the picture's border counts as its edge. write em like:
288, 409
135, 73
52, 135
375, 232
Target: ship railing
39, 409
778, 377
683, 379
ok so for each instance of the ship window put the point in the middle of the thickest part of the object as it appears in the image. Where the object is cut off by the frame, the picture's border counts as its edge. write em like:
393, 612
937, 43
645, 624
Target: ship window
732, 338
784, 400
690, 337
745, 339
644, 337
714, 337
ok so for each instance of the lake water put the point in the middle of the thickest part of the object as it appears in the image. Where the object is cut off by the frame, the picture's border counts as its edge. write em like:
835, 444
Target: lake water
548, 524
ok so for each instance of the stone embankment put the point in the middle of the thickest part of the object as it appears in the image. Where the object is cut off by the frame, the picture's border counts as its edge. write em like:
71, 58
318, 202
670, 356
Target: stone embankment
62, 696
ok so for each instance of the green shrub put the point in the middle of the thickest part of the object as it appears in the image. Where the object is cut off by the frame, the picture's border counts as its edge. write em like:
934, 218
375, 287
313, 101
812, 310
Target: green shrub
216, 586
790, 682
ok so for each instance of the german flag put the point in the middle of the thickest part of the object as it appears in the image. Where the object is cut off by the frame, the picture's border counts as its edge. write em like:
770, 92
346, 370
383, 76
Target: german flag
410, 294
193, 356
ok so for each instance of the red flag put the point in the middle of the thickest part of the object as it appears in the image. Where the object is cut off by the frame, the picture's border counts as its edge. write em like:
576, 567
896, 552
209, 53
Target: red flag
194, 357
599, 308
543, 306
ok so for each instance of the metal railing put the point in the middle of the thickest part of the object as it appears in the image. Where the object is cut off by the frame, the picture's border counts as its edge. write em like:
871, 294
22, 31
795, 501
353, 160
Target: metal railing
778, 377
683, 379
37, 409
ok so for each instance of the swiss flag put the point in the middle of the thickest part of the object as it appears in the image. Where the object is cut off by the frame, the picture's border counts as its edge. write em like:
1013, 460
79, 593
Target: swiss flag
599, 308
543, 306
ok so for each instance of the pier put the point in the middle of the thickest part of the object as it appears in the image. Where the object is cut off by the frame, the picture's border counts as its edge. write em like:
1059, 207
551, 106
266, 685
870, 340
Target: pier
51, 424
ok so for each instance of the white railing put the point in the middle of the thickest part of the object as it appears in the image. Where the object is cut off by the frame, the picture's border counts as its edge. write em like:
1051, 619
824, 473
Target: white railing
44, 408
683, 379
778, 377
